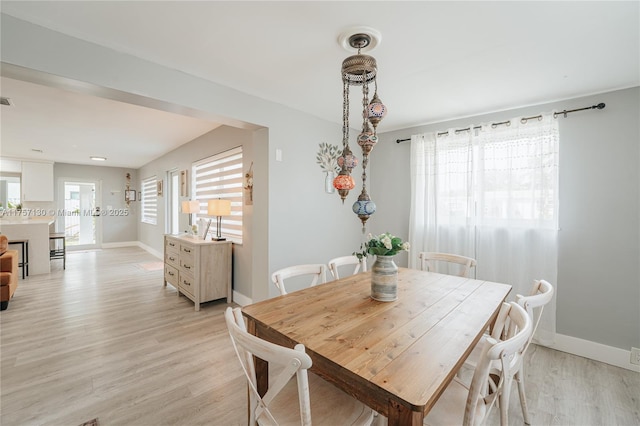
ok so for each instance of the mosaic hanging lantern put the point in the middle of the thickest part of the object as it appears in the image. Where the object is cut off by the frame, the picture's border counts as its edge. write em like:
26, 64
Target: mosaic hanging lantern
348, 159
367, 139
344, 183
376, 110
364, 207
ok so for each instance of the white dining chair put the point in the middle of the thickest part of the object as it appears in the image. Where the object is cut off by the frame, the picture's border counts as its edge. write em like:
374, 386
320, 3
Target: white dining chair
428, 261
316, 397
471, 405
318, 273
541, 294
336, 263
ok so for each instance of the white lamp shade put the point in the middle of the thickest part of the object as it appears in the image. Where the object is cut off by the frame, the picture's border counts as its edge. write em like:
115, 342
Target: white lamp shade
219, 207
191, 206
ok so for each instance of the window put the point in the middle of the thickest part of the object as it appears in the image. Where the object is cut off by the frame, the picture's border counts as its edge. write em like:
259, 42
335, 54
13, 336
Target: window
220, 176
149, 200
502, 177
10, 194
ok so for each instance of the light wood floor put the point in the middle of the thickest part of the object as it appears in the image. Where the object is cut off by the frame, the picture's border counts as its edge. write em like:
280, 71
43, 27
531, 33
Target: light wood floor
105, 339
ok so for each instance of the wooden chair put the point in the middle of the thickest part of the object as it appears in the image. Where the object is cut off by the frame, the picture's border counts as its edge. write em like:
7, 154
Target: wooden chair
315, 396
471, 405
318, 272
541, 294
336, 263
428, 259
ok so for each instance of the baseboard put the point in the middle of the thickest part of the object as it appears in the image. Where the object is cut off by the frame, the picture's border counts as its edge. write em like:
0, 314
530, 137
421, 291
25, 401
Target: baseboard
595, 351
156, 253
143, 246
120, 244
241, 299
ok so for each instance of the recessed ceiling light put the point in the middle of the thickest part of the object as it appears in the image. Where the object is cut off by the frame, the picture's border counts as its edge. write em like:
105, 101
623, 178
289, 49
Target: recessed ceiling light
98, 158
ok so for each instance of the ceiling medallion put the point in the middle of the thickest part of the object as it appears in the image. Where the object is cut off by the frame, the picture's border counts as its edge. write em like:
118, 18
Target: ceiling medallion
359, 70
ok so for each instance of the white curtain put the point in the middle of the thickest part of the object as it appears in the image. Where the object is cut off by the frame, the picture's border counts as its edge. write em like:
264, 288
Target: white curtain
491, 193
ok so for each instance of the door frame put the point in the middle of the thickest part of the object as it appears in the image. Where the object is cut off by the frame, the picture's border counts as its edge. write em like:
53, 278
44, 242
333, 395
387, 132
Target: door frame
172, 205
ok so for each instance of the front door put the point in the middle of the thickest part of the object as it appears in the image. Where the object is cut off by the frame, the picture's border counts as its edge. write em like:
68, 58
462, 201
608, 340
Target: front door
80, 215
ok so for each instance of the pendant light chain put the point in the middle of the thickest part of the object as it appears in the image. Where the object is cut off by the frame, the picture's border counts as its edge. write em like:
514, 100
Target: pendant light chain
345, 113
365, 105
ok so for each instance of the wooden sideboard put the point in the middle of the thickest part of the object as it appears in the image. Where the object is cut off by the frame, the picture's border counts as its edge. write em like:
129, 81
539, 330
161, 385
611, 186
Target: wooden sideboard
199, 269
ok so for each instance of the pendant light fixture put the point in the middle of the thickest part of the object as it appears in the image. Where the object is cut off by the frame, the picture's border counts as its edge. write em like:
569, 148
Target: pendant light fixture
359, 70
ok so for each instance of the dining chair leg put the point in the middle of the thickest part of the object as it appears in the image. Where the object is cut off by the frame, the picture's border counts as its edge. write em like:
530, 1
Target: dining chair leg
523, 398
503, 400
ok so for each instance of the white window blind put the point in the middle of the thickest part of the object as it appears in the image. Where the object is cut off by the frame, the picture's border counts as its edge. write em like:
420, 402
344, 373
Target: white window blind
220, 176
149, 200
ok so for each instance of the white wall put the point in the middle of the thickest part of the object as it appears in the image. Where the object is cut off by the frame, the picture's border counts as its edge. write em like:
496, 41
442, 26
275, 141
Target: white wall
214, 142
598, 296
115, 228
294, 220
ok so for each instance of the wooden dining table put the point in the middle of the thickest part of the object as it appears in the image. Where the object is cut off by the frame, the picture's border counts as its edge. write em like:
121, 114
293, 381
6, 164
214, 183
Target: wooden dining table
396, 357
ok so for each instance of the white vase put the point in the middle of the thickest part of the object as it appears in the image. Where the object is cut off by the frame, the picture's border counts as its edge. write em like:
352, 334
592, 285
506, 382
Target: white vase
328, 182
384, 279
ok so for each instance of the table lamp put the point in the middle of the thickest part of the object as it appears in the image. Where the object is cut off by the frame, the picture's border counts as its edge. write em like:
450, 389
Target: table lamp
218, 208
191, 207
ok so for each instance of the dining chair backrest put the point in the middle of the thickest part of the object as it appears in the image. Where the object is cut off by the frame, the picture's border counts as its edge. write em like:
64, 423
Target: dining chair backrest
541, 294
516, 325
293, 362
428, 261
336, 263
331, 405
318, 273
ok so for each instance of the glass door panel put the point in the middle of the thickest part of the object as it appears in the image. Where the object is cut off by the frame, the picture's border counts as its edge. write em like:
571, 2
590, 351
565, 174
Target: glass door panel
81, 215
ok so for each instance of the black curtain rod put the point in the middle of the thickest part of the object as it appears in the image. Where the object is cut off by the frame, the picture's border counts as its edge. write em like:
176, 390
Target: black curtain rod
523, 120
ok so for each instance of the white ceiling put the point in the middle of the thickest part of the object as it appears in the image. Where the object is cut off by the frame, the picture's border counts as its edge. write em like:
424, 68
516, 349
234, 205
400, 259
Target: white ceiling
436, 61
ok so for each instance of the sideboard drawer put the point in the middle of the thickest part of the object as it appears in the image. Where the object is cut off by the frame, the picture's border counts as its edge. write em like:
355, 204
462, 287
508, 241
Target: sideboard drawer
172, 258
171, 275
187, 285
187, 265
187, 251
171, 244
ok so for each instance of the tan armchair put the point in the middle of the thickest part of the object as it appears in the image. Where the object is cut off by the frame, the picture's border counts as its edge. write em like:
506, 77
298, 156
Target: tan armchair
8, 272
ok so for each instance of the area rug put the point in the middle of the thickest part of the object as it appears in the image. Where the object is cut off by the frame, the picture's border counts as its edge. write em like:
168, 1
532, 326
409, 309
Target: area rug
93, 422
151, 266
